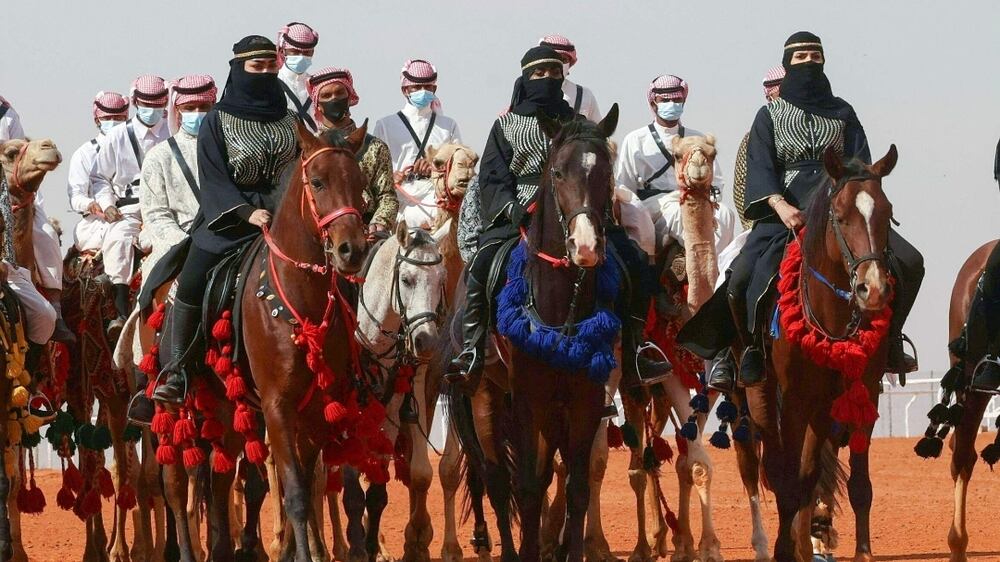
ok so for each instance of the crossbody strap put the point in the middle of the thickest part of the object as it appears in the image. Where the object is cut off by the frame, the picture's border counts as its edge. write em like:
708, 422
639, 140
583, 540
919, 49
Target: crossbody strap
421, 144
301, 109
663, 150
185, 169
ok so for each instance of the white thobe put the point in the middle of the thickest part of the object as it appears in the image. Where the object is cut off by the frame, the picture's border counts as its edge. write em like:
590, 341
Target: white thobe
90, 230
402, 147
588, 103
10, 126
40, 316
115, 176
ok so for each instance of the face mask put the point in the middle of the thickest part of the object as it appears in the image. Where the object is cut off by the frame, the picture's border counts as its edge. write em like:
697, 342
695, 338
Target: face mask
421, 98
670, 110
106, 125
149, 115
298, 63
335, 110
544, 90
191, 121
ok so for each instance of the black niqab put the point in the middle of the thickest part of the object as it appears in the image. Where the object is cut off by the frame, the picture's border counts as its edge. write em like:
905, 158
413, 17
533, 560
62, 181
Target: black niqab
541, 94
249, 95
806, 86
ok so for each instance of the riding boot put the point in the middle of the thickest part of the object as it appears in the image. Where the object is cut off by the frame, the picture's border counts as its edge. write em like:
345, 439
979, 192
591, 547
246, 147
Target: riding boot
983, 318
62, 332
121, 295
183, 335
723, 375
752, 361
140, 408
468, 366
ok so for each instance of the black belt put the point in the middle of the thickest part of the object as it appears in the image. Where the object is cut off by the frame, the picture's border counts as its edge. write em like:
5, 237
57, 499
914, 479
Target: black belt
804, 165
126, 201
646, 193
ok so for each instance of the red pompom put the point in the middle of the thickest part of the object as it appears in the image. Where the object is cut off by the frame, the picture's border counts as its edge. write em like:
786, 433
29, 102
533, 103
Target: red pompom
126, 498
106, 483
91, 504
155, 320
193, 456
211, 356
243, 420
166, 454
211, 429
256, 451
334, 412
236, 387
222, 330
184, 430
150, 364
163, 422
615, 438
859, 441
222, 462
376, 472
31, 500
334, 481
224, 365
65, 498
72, 478
662, 450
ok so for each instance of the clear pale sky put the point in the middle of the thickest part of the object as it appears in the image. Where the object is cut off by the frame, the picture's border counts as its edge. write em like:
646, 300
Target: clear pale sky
920, 74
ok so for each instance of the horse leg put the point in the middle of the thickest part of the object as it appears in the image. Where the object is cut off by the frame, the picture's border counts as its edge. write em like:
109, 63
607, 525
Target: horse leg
317, 544
587, 402
336, 522
963, 461
450, 474
142, 525
596, 547
554, 512
254, 492
490, 409
197, 484
859, 490
749, 466
419, 530
123, 452
376, 498
354, 508
534, 453
635, 414
175, 484
278, 515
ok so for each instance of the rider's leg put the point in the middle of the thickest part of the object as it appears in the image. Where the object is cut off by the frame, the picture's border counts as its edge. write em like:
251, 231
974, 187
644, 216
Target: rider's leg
40, 316
185, 318
751, 369
118, 251
985, 319
476, 318
908, 267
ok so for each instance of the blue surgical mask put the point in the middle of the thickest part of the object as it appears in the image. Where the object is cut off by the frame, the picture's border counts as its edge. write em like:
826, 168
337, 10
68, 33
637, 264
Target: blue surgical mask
191, 121
149, 115
107, 124
421, 98
670, 110
298, 63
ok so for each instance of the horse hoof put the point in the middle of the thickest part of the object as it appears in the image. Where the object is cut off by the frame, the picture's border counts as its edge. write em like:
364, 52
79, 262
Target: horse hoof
452, 553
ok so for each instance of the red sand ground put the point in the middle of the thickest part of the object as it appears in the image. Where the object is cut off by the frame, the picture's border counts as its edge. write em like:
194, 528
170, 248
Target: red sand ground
911, 515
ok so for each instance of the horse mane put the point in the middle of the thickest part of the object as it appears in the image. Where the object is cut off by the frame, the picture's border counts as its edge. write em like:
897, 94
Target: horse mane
818, 211
334, 138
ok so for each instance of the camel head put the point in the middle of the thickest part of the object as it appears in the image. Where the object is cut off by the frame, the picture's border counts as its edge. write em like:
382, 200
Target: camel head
25, 162
454, 166
696, 157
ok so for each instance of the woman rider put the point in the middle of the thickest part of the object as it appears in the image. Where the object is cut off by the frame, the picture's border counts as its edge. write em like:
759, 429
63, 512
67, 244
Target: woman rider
509, 176
984, 316
784, 170
333, 95
244, 145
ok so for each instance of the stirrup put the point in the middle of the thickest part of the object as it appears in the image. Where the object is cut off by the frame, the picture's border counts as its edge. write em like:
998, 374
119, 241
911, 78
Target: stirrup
183, 395
128, 408
913, 347
459, 378
656, 379
975, 372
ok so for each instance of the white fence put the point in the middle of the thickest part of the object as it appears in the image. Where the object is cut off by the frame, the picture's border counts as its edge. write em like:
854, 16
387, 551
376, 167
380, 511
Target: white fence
902, 413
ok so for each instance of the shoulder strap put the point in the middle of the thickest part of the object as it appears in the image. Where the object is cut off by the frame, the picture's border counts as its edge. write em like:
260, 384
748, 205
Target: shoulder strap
301, 109
97, 145
185, 169
421, 144
666, 154
579, 99
134, 142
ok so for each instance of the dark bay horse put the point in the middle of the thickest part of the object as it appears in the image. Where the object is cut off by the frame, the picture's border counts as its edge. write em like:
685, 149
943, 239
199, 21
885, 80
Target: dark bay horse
316, 238
844, 246
554, 409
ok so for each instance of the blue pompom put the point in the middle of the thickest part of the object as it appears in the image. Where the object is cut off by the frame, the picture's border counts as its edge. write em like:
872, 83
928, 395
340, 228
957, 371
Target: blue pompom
742, 432
720, 439
726, 411
689, 430
699, 403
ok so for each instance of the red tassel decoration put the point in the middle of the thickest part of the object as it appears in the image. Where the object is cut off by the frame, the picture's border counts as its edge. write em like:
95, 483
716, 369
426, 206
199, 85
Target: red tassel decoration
106, 483
224, 365
91, 504
376, 472
222, 330
30, 500
616, 440
126, 498
662, 450
155, 320
221, 461
334, 482
166, 454
236, 387
65, 498
184, 430
72, 478
150, 364
858, 441
211, 429
163, 422
211, 356
256, 451
334, 412
193, 456
243, 420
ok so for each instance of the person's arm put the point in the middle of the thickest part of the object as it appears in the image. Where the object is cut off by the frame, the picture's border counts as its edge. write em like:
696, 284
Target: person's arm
154, 204
78, 182
222, 202
625, 172
379, 131
498, 186
764, 175
856, 142
381, 187
103, 174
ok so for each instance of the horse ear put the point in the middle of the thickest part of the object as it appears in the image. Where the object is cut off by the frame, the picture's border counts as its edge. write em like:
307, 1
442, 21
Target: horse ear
884, 167
430, 152
549, 126
608, 125
356, 140
402, 233
833, 163
307, 140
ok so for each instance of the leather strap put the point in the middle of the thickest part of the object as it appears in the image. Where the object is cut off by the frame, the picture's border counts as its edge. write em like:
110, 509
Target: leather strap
302, 109
135, 143
185, 169
663, 150
421, 144
579, 99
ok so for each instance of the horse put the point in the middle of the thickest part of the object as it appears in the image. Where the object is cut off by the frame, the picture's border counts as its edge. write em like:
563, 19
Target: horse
828, 349
315, 241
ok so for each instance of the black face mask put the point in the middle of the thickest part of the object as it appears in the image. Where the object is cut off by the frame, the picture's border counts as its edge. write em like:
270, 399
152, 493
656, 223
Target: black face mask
335, 110
544, 90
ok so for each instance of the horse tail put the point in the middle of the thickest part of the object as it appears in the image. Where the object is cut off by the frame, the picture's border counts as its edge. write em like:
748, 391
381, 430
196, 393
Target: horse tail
458, 408
832, 476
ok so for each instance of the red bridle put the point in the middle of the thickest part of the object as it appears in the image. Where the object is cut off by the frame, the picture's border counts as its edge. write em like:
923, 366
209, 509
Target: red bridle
15, 181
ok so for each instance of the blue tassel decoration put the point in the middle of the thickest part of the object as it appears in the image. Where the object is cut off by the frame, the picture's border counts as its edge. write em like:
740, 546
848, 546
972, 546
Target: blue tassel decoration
741, 434
720, 439
726, 411
699, 403
689, 430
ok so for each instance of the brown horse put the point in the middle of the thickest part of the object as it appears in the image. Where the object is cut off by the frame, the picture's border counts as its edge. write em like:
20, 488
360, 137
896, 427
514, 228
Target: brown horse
845, 243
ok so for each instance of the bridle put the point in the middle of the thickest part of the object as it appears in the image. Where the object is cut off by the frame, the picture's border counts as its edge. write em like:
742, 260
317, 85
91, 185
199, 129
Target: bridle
712, 194
449, 201
16, 184
320, 222
401, 337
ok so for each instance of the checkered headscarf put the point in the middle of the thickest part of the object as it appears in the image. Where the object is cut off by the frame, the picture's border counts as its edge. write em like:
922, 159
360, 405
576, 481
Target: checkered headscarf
297, 35
562, 45
674, 88
772, 80
196, 88
330, 75
149, 89
417, 72
110, 104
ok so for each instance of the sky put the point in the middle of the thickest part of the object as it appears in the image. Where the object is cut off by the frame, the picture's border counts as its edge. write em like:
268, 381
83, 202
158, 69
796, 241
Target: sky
920, 74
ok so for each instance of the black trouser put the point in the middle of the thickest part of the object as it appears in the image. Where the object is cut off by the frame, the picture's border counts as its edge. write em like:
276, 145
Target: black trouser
193, 280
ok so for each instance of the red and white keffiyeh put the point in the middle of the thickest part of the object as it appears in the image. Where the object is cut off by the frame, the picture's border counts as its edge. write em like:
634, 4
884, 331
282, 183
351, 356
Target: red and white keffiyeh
772, 80
193, 88
418, 72
297, 35
149, 89
562, 45
330, 75
110, 104
673, 87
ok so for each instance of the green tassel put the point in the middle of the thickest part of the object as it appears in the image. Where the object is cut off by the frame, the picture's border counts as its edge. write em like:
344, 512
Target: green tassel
30, 440
132, 433
101, 438
630, 435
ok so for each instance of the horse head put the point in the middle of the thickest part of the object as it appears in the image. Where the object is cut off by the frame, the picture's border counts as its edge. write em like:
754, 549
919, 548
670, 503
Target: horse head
332, 184
578, 170
25, 163
454, 166
419, 279
697, 160
858, 221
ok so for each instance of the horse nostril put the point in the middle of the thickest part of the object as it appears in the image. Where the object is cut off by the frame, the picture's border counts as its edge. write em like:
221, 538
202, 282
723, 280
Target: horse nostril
862, 291
571, 245
344, 250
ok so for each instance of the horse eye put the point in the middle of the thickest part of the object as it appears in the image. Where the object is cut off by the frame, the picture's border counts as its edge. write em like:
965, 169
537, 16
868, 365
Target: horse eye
557, 174
407, 281
438, 163
316, 183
